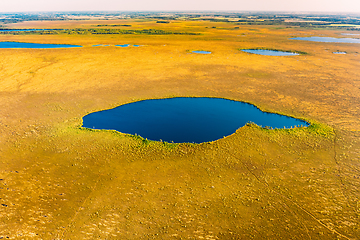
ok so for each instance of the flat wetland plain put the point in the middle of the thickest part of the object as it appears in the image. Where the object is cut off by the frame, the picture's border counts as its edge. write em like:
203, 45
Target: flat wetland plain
60, 181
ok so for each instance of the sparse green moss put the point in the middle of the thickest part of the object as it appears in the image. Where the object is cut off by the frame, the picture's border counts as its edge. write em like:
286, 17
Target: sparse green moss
275, 49
321, 130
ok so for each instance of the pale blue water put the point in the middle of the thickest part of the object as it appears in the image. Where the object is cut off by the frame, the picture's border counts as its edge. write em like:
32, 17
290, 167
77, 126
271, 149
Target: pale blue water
328, 39
185, 119
34, 45
201, 52
269, 52
100, 45
123, 45
339, 52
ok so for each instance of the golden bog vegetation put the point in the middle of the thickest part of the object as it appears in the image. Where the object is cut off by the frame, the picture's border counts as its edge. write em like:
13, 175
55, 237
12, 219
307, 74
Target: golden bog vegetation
59, 181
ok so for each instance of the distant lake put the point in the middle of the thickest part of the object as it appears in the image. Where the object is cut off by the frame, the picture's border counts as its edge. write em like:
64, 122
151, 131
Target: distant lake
185, 119
350, 34
328, 39
34, 45
269, 52
339, 52
123, 45
100, 45
202, 52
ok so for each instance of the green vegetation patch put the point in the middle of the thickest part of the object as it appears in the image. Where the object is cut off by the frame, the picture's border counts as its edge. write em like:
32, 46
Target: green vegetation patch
321, 130
275, 49
113, 25
314, 130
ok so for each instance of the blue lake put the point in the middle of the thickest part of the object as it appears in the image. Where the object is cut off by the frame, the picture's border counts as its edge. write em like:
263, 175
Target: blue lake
185, 119
202, 52
339, 52
123, 45
269, 52
34, 45
328, 39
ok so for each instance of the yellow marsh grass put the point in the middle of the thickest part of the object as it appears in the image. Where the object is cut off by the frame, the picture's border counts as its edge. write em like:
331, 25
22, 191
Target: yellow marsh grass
63, 182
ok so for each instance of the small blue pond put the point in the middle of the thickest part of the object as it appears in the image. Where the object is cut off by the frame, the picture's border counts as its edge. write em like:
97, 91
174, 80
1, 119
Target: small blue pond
328, 39
34, 45
123, 45
269, 52
185, 119
339, 52
202, 52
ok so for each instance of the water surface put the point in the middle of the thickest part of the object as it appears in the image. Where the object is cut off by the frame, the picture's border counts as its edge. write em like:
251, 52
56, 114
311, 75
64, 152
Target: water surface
123, 45
202, 52
269, 52
328, 39
339, 52
350, 34
34, 45
185, 119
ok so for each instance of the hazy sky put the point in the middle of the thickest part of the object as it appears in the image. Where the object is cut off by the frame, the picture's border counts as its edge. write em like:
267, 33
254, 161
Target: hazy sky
180, 5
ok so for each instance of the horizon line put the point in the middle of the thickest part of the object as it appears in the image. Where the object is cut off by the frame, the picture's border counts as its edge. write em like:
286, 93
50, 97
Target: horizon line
181, 11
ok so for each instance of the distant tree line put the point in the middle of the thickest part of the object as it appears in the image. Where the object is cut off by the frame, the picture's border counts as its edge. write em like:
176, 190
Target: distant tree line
81, 31
163, 18
248, 18
113, 25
